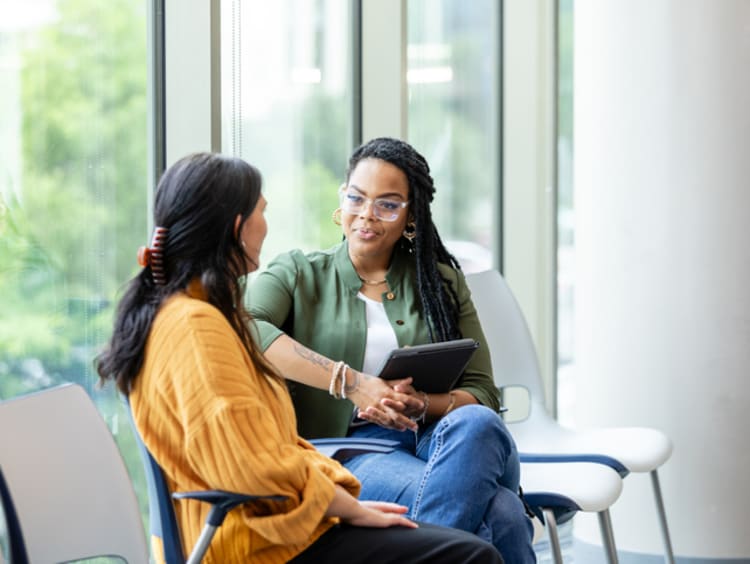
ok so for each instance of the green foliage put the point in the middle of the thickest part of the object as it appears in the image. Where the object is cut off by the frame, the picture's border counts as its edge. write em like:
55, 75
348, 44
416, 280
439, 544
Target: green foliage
83, 194
301, 201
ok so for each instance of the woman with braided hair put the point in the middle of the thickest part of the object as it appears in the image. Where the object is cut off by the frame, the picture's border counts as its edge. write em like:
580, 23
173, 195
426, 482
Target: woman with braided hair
327, 319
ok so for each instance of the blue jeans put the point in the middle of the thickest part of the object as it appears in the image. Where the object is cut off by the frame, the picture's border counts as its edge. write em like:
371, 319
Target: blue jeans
461, 471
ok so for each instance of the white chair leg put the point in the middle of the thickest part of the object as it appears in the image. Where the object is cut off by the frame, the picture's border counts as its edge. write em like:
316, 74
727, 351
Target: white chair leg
554, 537
605, 524
668, 554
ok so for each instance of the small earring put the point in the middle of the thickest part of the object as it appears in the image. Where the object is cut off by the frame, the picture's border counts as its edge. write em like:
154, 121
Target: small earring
336, 217
410, 232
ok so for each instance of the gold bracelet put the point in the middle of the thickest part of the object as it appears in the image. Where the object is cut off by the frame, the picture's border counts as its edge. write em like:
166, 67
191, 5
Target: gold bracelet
451, 404
348, 389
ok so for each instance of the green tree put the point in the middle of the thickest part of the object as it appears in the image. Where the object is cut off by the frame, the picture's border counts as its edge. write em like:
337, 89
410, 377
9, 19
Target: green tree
69, 240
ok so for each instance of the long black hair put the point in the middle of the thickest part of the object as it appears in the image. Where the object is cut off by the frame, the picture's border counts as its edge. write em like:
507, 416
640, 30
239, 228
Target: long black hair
197, 200
439, 298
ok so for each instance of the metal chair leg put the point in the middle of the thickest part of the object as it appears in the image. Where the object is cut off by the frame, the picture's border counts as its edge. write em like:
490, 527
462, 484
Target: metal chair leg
554, 537
201, 545
668, 553
605, 525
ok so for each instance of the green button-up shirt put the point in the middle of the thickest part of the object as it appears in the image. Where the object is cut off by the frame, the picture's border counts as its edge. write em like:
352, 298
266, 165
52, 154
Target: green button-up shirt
313, 298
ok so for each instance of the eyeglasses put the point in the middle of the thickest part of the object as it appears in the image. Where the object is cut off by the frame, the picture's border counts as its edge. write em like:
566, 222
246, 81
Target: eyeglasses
383, 208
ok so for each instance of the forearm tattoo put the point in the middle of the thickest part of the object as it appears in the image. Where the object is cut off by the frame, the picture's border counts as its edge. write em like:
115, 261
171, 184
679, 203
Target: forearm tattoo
312, 356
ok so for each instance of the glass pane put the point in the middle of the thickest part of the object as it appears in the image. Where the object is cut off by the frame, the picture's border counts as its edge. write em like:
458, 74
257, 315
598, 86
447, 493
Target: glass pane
286, 108
453, 69
73, 186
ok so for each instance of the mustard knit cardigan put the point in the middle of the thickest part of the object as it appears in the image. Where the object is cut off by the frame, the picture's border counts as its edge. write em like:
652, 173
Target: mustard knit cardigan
212, 421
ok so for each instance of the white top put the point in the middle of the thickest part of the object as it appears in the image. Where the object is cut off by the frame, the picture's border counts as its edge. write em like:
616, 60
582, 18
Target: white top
381, 338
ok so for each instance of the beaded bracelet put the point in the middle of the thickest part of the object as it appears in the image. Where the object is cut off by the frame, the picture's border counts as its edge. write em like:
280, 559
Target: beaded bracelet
334, 387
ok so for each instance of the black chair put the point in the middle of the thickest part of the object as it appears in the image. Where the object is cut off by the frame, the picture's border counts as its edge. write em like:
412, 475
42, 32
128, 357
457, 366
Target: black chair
16, 544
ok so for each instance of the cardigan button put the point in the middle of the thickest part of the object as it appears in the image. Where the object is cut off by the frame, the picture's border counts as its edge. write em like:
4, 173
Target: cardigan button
399, 322
390, 295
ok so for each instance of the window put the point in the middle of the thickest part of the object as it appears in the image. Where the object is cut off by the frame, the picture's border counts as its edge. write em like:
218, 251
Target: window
74, 187
287, 108
453, 65
288, 104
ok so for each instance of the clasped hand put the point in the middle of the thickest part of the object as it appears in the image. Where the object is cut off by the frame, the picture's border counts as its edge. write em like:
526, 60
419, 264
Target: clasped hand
392, 404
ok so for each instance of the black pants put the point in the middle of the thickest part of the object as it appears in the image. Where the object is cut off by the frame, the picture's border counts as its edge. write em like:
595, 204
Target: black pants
401, 545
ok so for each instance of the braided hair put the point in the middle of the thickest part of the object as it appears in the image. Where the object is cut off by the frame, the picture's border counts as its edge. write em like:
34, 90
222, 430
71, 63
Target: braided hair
439, 298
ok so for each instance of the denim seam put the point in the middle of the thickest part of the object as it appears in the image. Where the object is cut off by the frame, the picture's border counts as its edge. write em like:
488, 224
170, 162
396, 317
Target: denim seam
438, 437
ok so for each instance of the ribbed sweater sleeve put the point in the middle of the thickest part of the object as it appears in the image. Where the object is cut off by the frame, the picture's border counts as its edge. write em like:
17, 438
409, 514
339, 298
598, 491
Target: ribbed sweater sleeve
214, 422
227, 458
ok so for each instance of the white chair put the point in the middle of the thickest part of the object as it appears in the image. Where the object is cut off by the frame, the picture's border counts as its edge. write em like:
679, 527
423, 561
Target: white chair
540, 438
561, 489
66, 481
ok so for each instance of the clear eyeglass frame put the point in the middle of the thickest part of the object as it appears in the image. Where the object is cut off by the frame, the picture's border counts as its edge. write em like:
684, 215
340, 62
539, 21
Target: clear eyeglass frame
384, 209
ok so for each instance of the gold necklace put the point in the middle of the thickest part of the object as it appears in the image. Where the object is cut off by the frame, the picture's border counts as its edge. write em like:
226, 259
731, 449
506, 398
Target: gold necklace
372, 282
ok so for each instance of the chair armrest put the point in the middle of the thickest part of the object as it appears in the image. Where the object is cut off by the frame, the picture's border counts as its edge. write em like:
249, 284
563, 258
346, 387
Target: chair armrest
563, 508
543, 457
347, 447
223, 502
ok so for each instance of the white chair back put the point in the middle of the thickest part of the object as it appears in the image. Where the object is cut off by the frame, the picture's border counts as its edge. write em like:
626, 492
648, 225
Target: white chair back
68, 482
514, 358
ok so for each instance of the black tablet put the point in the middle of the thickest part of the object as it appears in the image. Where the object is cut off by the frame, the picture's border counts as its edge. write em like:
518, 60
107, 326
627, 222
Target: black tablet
435, 367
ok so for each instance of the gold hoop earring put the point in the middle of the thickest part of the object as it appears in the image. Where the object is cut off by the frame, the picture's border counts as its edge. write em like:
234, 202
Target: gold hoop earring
336, 216
410, 233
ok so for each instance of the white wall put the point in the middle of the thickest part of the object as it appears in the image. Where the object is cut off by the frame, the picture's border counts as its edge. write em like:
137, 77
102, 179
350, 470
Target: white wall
662, 169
